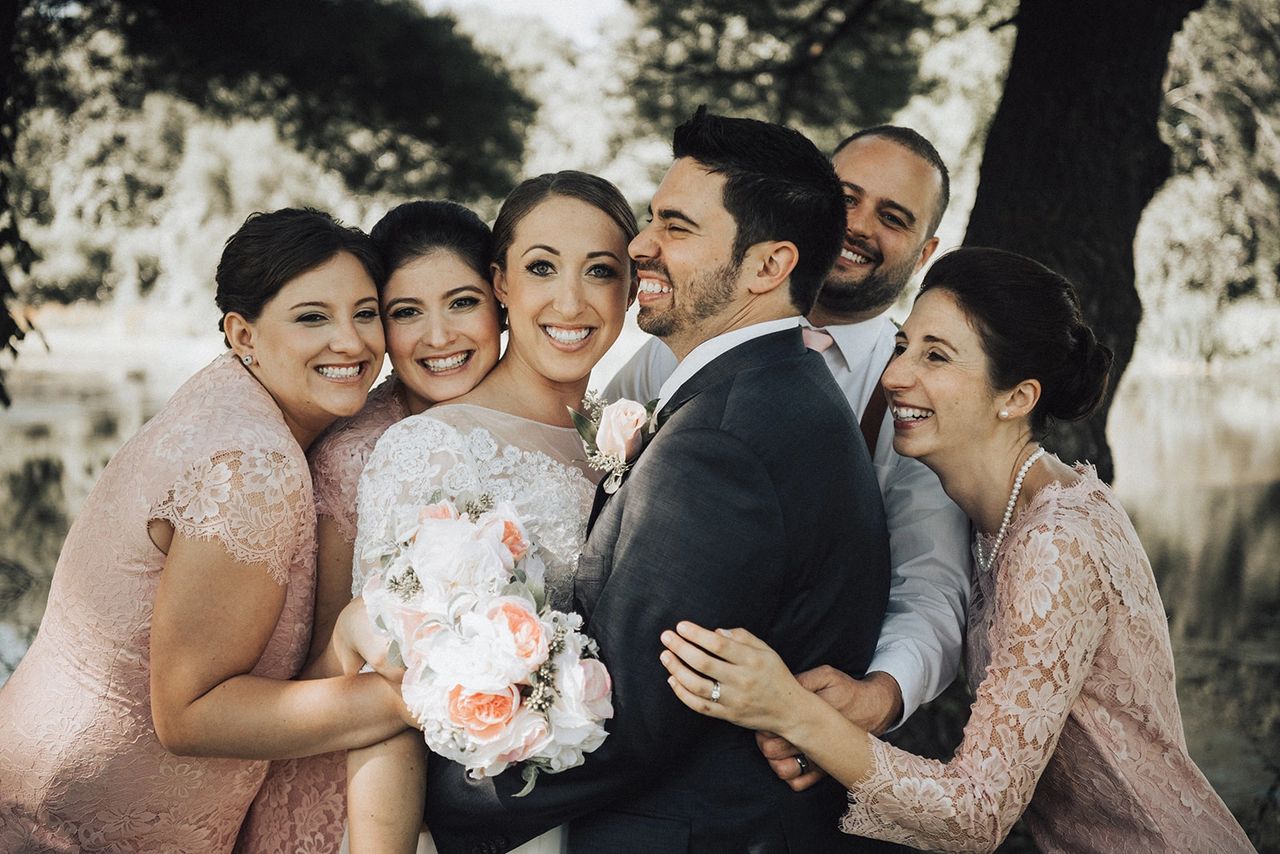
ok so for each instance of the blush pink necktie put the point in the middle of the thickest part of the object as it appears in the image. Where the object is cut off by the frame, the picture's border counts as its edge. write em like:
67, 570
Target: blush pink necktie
816, 339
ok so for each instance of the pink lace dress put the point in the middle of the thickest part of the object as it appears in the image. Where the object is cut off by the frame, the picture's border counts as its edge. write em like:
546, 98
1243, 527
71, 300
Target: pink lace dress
302, 806
1075, 721
80, 766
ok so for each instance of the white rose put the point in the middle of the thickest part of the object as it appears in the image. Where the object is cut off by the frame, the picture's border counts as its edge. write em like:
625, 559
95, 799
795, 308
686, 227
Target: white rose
481, 655
619, 432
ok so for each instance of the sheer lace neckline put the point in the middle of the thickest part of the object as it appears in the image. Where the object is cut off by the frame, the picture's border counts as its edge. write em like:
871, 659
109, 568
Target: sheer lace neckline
475, 406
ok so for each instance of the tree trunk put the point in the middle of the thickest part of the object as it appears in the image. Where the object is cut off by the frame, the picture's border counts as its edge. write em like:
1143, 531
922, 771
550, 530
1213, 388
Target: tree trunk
1073, 157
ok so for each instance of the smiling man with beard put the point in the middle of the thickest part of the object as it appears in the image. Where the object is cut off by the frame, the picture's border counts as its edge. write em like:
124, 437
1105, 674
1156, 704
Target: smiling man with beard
896, 189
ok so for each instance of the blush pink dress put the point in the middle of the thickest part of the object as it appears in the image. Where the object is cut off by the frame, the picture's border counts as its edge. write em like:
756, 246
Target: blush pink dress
80, 766
302, 806
1075, 722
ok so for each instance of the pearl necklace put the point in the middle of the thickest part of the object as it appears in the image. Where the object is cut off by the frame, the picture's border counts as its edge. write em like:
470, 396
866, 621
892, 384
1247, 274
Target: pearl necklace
985, 563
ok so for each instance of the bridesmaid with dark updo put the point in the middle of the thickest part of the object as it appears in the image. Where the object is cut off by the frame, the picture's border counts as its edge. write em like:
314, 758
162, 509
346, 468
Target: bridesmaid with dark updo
443, 327
143, 716
1075, 722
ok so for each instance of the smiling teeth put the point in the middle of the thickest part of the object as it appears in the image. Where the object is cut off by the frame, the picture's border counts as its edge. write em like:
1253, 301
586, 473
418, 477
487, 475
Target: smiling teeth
653, 286
447, 363
339, 373
567, 336
854, 257
906, 413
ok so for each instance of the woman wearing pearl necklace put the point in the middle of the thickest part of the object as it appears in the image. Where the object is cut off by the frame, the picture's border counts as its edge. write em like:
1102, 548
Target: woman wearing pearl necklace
1075, 721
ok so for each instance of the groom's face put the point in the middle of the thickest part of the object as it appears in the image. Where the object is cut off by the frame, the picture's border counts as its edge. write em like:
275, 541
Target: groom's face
684, 257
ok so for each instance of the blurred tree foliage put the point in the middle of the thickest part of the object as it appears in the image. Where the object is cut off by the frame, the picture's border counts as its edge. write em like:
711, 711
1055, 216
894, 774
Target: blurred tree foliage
390, 98
1072, 155
1209, 248
825, 66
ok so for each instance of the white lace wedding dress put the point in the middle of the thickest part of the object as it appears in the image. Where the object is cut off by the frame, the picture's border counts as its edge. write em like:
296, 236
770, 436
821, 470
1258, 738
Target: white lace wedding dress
461, 449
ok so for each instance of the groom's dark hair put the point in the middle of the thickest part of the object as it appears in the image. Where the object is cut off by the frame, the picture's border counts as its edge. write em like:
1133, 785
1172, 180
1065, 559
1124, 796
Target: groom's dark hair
778, 186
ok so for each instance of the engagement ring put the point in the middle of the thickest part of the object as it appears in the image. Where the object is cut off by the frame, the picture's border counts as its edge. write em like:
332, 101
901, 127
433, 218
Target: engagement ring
715, 691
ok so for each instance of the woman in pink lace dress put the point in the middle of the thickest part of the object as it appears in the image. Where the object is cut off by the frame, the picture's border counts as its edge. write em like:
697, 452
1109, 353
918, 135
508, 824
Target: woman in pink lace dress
443, 328
1075, 721
142, 717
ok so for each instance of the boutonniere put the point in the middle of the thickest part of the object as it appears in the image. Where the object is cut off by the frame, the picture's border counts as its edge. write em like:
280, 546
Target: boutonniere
613, 433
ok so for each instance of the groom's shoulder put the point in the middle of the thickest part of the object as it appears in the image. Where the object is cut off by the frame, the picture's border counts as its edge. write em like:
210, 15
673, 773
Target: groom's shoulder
777, 399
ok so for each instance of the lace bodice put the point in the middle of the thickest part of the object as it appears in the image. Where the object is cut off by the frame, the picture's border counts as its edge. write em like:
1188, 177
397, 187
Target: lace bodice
80, 765
1076, 705
463, 449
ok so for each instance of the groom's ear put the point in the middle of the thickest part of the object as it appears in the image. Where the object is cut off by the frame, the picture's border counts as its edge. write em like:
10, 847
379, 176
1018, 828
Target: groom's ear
770, 263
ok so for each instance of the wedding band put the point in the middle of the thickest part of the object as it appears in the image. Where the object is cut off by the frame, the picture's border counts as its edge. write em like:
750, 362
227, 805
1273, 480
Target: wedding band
715, 691
803, 763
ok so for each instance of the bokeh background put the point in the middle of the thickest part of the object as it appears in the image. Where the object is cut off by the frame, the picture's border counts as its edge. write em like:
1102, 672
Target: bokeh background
1133, 146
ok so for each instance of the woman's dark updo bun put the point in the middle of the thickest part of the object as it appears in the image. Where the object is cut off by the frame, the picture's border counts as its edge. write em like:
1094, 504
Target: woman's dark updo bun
1028, 318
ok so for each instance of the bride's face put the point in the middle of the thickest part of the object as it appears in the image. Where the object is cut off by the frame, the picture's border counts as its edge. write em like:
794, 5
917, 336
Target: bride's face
567, 285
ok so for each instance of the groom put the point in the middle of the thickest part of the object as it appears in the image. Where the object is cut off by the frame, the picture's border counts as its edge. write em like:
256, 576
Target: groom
754, 505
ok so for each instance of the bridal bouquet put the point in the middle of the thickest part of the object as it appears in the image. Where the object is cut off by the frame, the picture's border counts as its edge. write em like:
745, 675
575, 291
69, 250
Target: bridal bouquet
493, 675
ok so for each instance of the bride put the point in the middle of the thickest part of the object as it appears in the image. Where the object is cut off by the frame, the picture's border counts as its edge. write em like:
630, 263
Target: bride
563, 273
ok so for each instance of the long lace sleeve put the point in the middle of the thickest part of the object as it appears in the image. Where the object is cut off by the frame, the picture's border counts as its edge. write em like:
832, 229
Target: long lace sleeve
1044, 626
254, 501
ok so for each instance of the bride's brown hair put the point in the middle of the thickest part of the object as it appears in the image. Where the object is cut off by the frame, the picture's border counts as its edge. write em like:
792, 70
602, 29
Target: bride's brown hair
592, 189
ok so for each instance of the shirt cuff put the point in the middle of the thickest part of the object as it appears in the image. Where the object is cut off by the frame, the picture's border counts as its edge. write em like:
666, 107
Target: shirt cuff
907, 670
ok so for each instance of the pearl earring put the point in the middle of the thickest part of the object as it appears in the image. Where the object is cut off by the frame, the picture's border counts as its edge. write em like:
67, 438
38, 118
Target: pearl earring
1004, 414
247, 359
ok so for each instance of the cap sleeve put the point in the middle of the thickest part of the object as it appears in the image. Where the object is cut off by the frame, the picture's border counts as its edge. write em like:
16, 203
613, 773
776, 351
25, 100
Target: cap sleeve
254, 501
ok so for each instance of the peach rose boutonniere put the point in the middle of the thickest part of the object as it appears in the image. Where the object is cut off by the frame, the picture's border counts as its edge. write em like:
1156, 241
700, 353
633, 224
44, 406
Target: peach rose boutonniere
612, 434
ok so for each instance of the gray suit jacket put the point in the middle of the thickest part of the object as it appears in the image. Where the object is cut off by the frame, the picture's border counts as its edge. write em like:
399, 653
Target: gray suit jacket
755, 505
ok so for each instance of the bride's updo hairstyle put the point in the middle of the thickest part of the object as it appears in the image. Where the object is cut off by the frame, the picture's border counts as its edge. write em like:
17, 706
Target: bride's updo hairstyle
592, 189
1028, 318
272, 249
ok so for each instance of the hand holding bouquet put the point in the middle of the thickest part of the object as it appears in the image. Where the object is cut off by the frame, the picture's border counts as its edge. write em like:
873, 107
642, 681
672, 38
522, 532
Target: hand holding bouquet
493, 676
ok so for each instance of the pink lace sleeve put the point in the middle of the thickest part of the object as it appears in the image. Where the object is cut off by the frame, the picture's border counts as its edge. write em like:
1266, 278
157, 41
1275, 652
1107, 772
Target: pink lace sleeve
254, 501
336, 471
1045, 626
339, 457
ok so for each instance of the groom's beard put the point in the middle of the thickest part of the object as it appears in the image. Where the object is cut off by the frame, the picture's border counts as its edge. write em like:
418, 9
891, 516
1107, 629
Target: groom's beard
692, 301
879, 289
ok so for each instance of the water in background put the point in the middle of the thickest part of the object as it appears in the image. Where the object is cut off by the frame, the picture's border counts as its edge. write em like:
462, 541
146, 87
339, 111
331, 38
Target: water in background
1198, 467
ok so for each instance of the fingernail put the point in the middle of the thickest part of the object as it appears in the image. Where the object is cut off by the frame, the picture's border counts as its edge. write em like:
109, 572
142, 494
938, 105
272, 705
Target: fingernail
724, 632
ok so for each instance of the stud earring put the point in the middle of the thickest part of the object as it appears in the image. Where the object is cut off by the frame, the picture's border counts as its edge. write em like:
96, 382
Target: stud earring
1004, 414
247, 359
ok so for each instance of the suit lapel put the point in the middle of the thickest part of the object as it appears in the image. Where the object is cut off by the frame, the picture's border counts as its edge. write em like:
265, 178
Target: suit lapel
750, 354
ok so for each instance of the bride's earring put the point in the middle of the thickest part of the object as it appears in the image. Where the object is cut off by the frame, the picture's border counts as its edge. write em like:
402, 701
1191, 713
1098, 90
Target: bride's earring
1004, 415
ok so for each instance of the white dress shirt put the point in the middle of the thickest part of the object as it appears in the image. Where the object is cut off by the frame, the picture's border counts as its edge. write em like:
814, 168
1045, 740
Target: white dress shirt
923, 626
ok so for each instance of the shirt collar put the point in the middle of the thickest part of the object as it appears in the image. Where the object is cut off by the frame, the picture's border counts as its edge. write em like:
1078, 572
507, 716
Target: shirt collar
702, 355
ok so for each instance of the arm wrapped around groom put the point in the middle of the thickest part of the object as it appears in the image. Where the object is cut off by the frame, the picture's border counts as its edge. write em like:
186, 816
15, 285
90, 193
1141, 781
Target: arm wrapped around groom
755, 505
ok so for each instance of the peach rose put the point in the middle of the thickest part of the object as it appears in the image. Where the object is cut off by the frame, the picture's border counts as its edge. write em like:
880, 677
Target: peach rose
439, 510
482, 715
525, 627
621, 424
513, 539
